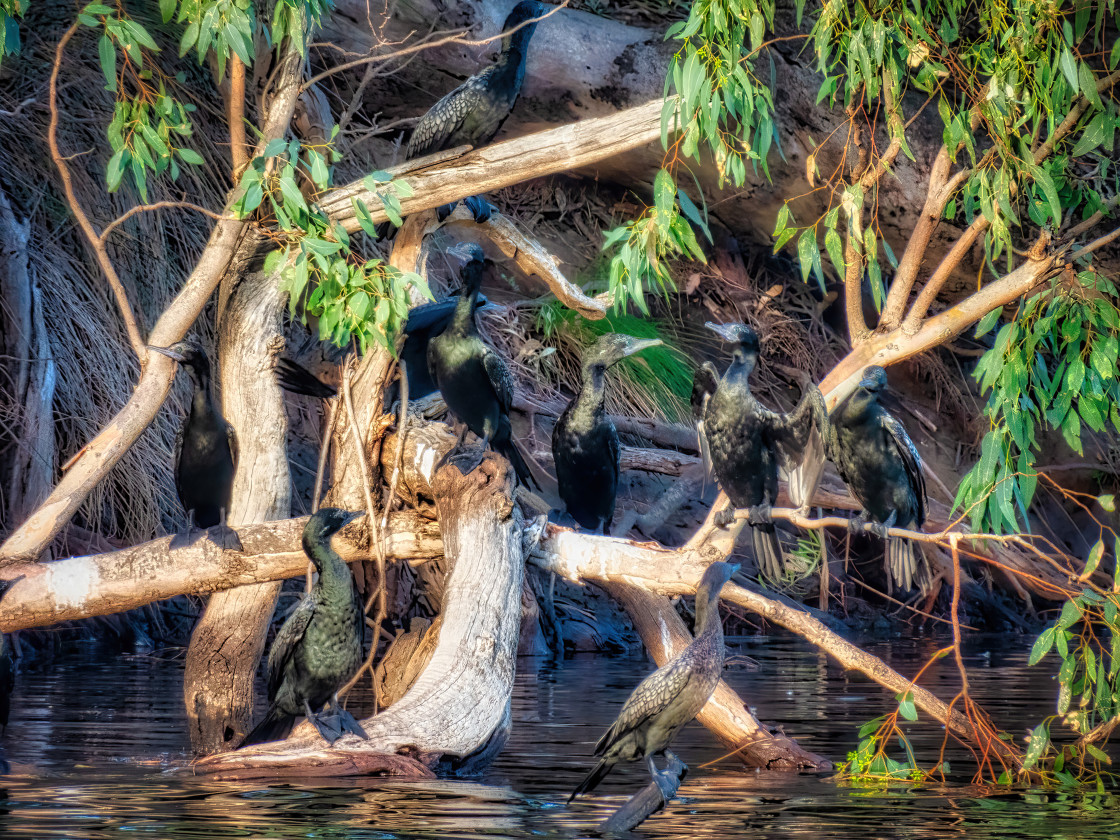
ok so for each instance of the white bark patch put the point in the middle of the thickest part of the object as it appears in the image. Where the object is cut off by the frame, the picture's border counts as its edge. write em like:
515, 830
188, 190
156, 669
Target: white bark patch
666, 642
427, 462
71, 587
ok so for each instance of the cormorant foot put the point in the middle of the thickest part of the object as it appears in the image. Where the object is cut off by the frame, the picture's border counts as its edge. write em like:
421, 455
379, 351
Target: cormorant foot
480, 208
760, 515
724, 518
880, 529
856, 523
467, 462
348, 723
445, 210
187, 538
225, 538
328, 725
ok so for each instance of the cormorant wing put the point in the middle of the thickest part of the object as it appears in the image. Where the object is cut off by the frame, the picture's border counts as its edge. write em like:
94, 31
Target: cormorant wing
704, 384
177, 448
652, 696
437, 128
296, 379
799, 440
911, 460
500, 379
234, 450
290, 635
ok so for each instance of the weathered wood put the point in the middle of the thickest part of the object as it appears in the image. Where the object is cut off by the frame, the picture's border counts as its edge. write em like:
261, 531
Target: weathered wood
663, 461
460, 704
503, 164
726, 715
229, 638
81, 587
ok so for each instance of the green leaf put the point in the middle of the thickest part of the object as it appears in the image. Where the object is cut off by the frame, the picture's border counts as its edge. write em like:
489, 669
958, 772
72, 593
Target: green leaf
98, 9
107, 53
988, 322
1069, 68
190, 156
1107, 502
275, 260
1114, 56
1071, 614
806, 249
167, 9
1040, 740
1088, 84
114, 171
835, 251
1091, 137
1042, 645
692, 213
907, 709
365, 220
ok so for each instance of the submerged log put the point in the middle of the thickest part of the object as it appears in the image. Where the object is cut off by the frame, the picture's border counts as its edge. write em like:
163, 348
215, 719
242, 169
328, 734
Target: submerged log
459, 706
648, 801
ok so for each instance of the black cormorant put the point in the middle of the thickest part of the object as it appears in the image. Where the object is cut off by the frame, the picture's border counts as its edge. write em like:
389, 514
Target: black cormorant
585, 441
672, 695
472, 114
474, 380
747, 442
205, 453
319, 646
881, 466
424, 323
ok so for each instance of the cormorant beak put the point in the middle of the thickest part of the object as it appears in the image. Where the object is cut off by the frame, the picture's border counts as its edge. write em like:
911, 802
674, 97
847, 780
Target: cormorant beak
466, 252
490, 306
350, 517
871, 381
728, 332
735, 568
167, 351
635, 345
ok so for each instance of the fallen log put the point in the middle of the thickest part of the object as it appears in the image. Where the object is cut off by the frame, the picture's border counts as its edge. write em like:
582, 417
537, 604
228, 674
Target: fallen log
459, 706
101, 584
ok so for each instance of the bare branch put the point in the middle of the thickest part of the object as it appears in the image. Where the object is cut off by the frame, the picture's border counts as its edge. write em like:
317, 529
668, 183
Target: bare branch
160, 205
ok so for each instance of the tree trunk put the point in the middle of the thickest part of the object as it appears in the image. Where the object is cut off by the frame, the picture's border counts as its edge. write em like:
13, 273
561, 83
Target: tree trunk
458, 709
229, 639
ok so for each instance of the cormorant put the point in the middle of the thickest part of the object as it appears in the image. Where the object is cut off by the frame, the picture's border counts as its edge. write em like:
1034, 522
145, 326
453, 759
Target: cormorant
473, 379
704, 384
319, 646
881, 466
7, 666
472, 114
672, 695
585, 441
747, 441
205, 453
424, 322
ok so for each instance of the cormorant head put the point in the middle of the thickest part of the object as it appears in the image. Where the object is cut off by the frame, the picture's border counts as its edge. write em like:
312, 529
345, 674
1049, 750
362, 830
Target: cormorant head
523, 11
707, 591
473, 260
189, 353
612, 348
324, 524
874, 380
744, 338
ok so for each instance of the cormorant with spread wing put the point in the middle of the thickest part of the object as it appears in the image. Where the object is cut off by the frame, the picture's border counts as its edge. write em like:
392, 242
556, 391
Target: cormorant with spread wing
319, 646
472, 114
881, 466
473, 379
585, 441
672, 695
205, 453
747, 442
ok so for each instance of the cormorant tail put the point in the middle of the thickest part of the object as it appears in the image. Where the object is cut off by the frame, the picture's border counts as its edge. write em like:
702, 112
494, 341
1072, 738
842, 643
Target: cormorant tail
510, 451
297, 379
906, 568
276, 726
592, 779
767, 551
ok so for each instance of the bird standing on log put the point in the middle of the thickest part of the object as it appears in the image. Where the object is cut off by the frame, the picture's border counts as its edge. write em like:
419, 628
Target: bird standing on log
205, 453
584, 440
672, 695
881, 466
472, 114
747, 442
319, 646
473, 379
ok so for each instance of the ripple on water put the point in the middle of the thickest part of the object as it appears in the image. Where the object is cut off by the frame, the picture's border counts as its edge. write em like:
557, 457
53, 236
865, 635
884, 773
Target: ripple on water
91, 735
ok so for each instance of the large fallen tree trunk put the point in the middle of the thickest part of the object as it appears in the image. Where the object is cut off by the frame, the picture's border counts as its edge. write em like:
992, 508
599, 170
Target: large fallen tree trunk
102, 584
459, 706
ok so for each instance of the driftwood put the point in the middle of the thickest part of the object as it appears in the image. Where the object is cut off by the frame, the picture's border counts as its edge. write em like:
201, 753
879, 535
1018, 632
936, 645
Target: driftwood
648, 801
102, 584
459, 706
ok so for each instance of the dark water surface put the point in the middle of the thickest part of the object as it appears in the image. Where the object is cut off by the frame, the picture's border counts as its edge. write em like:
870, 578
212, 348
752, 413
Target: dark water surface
91, 737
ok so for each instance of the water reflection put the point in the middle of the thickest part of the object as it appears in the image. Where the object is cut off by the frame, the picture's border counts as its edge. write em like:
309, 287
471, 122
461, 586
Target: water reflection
90, 736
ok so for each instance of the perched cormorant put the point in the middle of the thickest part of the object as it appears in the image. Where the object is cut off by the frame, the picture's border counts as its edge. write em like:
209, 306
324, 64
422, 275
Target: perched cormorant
472, 114
672, 695
7, 666
704, 384
473, 379
205, 453
747, 442
585, 441
424, 323
881, 466
319, 646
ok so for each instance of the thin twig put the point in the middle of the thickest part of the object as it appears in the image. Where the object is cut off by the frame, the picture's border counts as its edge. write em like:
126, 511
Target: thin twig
238, 142
139, 346
160, 205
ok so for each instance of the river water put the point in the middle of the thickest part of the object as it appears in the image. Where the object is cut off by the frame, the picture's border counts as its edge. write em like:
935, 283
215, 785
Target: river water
92, 737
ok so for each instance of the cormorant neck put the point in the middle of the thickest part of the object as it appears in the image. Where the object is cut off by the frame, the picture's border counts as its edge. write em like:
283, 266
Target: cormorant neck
742, 364
462, 321
707, 613
201, 381
593, 391
328, 563
515, 48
